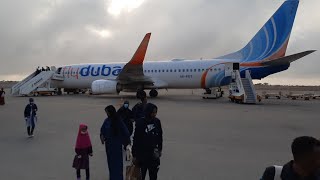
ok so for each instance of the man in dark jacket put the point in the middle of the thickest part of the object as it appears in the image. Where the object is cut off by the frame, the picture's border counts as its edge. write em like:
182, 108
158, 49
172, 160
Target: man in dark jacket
2, 94
30, 115
305, 164
127, 116
147, 142
138, 109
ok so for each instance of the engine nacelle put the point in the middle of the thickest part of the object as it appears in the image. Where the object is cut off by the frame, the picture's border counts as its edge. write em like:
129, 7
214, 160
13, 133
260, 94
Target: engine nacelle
104, 87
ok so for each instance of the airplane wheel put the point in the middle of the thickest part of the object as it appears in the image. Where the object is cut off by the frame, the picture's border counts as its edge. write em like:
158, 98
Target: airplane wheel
153, 93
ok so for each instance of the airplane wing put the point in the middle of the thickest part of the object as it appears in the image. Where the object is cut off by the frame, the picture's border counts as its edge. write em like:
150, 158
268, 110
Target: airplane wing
132, 72
287, 59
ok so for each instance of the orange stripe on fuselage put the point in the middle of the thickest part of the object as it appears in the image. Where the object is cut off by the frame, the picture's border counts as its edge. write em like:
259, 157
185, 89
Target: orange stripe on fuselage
204, 75
251, 64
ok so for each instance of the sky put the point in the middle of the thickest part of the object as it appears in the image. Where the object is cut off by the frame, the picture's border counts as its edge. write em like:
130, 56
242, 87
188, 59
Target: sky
61, 32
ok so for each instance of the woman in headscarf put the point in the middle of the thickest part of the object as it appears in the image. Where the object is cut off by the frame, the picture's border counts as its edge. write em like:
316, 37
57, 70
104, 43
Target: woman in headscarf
147, 142
83, 150
114, 134
30, 115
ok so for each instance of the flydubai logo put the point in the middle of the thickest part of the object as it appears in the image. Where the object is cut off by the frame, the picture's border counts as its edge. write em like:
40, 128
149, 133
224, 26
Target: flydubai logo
103, 70
91, 70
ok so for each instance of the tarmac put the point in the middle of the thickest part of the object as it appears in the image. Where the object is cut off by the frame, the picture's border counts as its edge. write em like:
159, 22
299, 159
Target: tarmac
203, 139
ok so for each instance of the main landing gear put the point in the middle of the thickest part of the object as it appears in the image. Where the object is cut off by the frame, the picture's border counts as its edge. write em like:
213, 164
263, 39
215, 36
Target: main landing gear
153, 93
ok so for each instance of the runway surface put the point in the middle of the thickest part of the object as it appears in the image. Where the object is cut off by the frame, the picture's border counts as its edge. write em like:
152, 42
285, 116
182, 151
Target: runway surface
203, 139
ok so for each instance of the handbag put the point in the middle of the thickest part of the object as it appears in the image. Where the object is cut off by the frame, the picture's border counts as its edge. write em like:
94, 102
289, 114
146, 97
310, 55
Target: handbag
76, 162
133, 172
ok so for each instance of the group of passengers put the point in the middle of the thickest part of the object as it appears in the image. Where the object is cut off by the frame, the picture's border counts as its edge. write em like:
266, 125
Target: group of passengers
116, 132
39, 70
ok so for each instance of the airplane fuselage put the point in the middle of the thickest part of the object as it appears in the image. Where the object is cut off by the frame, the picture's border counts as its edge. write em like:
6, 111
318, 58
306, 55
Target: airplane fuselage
178, 74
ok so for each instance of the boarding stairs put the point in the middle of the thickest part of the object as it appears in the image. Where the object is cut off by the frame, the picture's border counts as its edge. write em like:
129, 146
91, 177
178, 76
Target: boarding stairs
242, 89
34, 81
250, 95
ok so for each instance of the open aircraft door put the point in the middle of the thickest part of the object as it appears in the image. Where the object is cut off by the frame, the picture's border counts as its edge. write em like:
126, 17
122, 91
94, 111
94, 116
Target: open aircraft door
229, 68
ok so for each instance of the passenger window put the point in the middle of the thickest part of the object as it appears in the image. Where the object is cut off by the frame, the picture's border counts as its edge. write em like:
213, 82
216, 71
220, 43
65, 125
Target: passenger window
215, 69
199, 70
170, 70
210, 69
175, 70
152, 71
187, 70
155, 70
190, 70
167, 70
182, 70
202, 70
179, 70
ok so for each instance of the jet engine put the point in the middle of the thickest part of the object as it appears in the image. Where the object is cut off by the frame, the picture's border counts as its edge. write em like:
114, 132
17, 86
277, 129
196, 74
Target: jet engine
104, 87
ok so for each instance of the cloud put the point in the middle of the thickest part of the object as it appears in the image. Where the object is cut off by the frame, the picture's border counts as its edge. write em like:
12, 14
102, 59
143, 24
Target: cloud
58, 32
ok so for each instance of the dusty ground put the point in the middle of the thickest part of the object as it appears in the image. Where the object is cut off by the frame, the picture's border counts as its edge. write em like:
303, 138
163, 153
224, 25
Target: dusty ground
203, 139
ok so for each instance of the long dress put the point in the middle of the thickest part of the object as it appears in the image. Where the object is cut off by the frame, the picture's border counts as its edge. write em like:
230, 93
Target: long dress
113, 145
83, 148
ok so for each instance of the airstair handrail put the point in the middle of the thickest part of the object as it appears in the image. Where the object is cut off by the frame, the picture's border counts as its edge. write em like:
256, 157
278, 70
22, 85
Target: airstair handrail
248, 76
239, 83
16, 87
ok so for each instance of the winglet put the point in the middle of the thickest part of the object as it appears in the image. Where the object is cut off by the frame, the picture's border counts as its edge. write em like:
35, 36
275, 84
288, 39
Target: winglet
138, 57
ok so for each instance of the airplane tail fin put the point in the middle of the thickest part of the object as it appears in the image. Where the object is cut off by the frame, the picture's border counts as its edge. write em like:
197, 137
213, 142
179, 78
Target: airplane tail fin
272, 39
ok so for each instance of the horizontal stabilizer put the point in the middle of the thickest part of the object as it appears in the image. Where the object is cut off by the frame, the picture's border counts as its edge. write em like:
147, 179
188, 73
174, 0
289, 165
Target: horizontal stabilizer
287, 59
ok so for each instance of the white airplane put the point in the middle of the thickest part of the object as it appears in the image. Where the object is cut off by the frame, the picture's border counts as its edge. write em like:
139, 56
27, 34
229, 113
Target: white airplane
263, 55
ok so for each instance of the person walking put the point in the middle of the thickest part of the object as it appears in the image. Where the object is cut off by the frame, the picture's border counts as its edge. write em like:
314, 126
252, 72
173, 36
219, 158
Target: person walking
138, 109
114, 134
83, 150
305, 164
127, 116
147, 142
2, 94
30, 115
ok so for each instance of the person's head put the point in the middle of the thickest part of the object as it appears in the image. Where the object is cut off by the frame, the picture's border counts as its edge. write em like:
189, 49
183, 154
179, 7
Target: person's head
126, 104
306, 153
151, 111
31, 100
110, 110
83, 129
